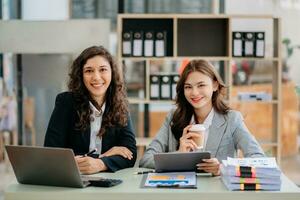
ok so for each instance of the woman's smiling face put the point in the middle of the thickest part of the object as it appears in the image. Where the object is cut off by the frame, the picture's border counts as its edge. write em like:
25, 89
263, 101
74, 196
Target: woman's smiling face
97, 75
198, 90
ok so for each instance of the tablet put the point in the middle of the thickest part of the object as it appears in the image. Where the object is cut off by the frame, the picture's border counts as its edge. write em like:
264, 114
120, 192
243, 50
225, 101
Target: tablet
178, 161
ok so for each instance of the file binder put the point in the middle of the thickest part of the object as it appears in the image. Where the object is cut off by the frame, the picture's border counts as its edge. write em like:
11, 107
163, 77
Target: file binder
259, 44
237, 50
137, 44
174, 81
160, 43
154, 87
149, 44
165, 87
249, 44
126, 43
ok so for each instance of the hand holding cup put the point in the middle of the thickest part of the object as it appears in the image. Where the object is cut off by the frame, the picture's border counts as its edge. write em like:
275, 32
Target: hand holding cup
199, 129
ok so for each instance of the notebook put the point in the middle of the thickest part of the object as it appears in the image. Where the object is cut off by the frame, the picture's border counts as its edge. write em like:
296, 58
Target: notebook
46, 166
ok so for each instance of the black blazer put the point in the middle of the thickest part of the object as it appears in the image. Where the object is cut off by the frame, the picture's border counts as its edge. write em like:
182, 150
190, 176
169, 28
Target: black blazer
61, 132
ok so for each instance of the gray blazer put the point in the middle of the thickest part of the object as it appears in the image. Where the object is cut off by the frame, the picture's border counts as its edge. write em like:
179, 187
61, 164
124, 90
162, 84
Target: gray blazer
227, 133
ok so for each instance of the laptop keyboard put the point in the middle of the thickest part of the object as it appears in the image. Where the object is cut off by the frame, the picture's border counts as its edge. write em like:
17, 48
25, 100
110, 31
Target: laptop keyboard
100, 181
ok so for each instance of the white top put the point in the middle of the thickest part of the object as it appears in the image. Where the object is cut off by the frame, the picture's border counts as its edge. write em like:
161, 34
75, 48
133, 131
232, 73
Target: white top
207, 122
95, 122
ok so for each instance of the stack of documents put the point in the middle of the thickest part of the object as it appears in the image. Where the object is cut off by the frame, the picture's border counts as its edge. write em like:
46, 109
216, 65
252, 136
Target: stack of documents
174, 179
251, 174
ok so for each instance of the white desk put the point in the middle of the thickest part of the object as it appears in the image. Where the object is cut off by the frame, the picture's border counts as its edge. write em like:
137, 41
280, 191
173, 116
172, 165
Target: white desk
210, 188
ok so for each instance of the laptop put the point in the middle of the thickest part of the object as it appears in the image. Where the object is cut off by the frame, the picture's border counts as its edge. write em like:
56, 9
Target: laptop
178, 161
45, 166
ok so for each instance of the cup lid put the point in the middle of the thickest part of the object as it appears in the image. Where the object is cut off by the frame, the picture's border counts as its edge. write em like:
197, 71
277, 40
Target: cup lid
197, 127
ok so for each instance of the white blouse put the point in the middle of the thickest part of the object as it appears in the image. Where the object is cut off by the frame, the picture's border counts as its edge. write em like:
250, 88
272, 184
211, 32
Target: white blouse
95, 123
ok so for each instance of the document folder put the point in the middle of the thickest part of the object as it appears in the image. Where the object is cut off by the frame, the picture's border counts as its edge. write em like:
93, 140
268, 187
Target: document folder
137, 44
154, 86
165, 87
237, 50
170, 180
249, 44
259, 44
160, 43
126, 43
175, 79
149, 44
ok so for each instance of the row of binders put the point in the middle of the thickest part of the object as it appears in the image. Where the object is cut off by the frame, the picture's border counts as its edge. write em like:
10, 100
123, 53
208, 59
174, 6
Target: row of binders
144, 43
163, 86
248, 44
251, 174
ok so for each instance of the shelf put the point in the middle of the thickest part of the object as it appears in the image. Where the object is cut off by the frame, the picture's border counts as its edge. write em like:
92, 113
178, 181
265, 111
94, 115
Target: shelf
142, 59
208, 37
178, 58
252, 16
259, 102
143, 25
196, 16
145, 101
209, 58
275, 59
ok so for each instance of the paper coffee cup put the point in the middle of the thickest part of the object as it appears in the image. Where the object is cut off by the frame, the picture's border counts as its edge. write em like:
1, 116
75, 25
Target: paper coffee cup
198, 128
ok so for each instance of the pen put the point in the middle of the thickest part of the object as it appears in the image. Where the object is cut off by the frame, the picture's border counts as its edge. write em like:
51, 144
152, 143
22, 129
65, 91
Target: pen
144, 172
90, 153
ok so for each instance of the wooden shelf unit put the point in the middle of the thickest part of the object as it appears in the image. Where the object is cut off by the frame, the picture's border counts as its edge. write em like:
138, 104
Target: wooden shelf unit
209, 37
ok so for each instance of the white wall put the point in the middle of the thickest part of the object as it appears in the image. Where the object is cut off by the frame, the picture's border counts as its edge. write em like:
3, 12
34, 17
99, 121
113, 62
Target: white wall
288, 10
44, 75
45, 9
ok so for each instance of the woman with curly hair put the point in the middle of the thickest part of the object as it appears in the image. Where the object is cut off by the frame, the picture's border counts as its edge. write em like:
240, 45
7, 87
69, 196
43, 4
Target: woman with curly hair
200, 100
93, 115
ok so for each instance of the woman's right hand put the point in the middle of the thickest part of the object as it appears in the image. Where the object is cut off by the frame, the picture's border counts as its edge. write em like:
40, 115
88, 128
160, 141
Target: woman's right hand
186, 142
118, 150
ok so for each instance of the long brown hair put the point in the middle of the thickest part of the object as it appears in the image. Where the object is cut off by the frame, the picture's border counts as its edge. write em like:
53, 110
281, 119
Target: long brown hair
184, 110
116, 106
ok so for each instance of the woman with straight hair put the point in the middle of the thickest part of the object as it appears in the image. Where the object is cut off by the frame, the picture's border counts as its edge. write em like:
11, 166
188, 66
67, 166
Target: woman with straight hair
200, 100
93, 115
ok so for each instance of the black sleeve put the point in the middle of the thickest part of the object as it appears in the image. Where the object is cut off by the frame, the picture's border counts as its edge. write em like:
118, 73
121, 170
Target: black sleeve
59, 124
126, 139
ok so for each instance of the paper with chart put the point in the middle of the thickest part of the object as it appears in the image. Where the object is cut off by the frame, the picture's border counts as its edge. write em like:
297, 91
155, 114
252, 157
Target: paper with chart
176, 179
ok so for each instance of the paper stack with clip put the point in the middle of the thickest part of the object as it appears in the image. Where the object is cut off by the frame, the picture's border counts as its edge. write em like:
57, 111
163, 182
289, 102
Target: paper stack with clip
251, 174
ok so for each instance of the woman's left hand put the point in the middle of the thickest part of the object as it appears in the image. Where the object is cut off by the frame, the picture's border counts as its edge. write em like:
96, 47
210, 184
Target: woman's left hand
211, 165
89, 165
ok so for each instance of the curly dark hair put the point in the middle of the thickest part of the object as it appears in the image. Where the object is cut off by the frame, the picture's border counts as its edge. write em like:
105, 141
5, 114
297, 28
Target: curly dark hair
185, 110
116, 104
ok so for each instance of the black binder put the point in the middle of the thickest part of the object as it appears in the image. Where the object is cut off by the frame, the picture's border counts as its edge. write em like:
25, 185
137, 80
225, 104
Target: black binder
137, 47
237, 44
154, 86
160, 43
126, 43
174, 81
260, 44
149, 44
165, 87
249, 44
